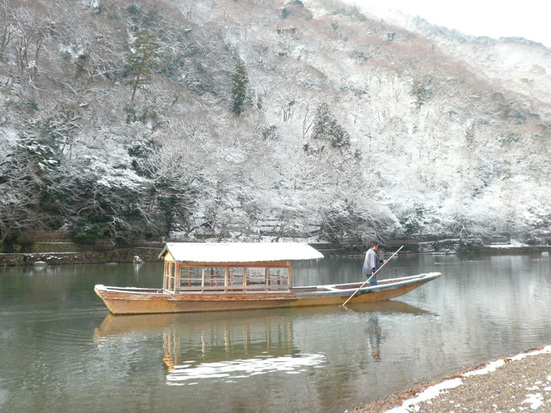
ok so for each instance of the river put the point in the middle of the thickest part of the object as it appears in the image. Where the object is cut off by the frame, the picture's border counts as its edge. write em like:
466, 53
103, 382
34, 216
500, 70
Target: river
62, 352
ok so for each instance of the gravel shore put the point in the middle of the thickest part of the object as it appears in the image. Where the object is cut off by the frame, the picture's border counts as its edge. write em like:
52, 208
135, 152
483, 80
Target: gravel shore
520, 383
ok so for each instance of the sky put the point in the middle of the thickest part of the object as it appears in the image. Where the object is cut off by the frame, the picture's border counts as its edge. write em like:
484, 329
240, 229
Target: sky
493, 18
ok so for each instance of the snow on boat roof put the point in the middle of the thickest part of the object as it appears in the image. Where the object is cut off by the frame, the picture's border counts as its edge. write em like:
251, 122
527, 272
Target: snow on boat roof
240, 252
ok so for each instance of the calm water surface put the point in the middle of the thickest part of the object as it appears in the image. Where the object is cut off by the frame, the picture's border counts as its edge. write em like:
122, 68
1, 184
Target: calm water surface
62, 352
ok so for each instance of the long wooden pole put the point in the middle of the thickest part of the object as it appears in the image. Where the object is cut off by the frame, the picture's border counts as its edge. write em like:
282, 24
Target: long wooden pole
372, 275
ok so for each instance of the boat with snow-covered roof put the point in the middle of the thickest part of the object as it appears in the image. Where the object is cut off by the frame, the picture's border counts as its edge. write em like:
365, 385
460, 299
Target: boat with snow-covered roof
202, 277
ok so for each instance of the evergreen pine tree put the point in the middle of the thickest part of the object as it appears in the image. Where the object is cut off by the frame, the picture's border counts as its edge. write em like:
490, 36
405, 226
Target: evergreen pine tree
240, 79
141, 56
326, 127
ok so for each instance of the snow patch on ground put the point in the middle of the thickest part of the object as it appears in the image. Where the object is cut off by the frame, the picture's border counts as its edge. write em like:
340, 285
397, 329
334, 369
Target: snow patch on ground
534, 399
544, 350
426, 395
490, 367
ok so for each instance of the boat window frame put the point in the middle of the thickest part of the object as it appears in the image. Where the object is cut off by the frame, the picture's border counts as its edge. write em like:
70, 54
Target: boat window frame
215, 277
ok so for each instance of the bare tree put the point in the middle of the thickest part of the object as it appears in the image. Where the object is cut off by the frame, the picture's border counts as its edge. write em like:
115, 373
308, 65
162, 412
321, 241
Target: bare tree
7, 27
31, 26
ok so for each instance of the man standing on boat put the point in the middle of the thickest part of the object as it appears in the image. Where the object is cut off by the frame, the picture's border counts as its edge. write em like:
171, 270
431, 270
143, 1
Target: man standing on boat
372, 263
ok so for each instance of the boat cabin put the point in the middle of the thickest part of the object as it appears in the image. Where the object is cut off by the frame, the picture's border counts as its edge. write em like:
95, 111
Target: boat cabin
231, 267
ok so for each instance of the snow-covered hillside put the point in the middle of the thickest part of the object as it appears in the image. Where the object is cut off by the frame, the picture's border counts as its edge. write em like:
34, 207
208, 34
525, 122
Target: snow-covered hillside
255, 120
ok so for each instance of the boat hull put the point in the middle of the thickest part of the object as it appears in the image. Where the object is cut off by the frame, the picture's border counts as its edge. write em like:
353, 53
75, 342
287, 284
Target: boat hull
156, 301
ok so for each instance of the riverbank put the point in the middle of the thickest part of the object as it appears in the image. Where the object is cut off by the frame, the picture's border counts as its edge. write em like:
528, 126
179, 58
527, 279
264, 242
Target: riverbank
517, 383
53, 249
119, 255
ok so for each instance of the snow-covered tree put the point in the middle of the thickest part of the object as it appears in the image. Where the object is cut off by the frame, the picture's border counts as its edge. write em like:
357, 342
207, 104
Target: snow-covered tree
240, 80
326, 127
347, 127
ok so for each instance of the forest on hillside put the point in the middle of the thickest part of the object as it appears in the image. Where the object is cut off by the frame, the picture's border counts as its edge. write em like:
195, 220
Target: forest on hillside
124, 121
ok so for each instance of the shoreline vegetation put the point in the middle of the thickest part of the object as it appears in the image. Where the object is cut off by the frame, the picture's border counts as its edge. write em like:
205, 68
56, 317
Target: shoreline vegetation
56, 248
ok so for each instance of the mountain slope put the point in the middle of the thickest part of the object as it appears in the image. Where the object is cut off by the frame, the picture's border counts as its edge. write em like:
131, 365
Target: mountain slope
351, 127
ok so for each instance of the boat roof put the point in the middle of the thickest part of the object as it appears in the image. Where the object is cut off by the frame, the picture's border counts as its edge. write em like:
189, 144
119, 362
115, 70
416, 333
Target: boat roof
240, 252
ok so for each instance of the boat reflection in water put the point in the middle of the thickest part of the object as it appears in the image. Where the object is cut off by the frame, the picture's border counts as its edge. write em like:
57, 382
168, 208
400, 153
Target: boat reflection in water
235, 348
217, 346
235, 345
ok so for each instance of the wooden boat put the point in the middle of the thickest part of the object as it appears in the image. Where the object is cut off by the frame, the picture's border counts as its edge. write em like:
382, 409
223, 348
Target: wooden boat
222, 277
